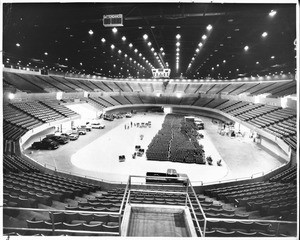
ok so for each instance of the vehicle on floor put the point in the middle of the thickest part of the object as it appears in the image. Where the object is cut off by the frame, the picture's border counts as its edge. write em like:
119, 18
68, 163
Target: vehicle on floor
87, 126
97, 125
59, 139
80, 130
108, 117
46, 143
128, 115
73, 136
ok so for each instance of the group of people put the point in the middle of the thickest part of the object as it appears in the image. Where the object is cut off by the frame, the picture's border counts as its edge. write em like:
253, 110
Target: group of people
139, 125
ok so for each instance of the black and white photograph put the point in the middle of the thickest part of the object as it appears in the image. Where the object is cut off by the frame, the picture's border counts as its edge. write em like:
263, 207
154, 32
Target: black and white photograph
157, 119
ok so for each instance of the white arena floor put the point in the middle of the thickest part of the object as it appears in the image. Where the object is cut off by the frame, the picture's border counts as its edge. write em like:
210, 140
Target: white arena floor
97, 154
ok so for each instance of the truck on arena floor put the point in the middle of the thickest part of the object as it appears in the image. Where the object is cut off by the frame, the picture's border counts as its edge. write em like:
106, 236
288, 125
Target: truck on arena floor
170, 177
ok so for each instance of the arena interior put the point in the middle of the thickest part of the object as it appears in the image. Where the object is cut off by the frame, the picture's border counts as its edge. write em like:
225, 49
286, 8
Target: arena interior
150, 120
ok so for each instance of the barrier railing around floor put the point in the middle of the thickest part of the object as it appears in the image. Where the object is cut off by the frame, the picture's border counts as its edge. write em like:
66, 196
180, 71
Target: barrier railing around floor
195, 183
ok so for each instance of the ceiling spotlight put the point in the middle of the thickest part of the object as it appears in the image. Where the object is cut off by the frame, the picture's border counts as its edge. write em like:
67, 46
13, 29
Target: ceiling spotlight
119, 51
178, 36
18, 44
197, 50
140, 54
135, 50
124, 38
177, 49
272, 13
264, 34
209, 27
178, 44
152, 49
163, 54
114, 30
112, 46
46, 53
125, 55
204, 37
91, 32
103, 40
246, 48
155, 54
272, 57
130, 45
161, 49
149, 44
257, 62
200, 44
224, 61
145, 36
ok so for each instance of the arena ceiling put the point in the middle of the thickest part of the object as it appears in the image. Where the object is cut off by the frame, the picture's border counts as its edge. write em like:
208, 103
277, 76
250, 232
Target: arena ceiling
220, 41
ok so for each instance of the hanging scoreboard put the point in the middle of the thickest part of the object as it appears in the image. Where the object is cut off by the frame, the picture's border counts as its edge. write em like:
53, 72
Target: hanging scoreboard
115, 20
161, 72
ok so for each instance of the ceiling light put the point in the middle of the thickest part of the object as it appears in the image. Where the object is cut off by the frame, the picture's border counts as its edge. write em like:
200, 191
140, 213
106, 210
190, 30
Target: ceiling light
103, 40
149, 44
257, 62
204, 37
119, 51
272, 13
135, 50
193, 58
152, 49
140, 54
91, 32
125, 55
197, 50
66, 59
114, 30
209, 27
272, 57
130, 45
46, 53
178, 27
163, 54
145, 36
112, 46
124, 38
246, 48
178, 44
177, 49
18, 44
224, 61
178, 36
161, 49
200, 44
264, 34
155, 54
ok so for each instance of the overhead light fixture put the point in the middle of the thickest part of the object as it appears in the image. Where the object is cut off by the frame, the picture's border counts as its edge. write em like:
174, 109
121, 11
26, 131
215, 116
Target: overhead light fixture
178, 36
114, 30
145, 36
204, 37
45, 53
135, 50
197, 50
178, 44
130, 45
112, 46
264, 34
272, 13
246, 48
209, 27
124, 38
149, 44
177, 49
103, 40
18, 44
272, 57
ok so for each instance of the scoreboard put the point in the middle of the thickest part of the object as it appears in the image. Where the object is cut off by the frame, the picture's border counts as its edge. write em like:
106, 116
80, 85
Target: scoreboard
161, 72
115, 20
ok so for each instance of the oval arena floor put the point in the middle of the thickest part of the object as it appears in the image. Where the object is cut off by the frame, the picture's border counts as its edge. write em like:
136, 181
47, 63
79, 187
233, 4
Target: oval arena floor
97, 153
